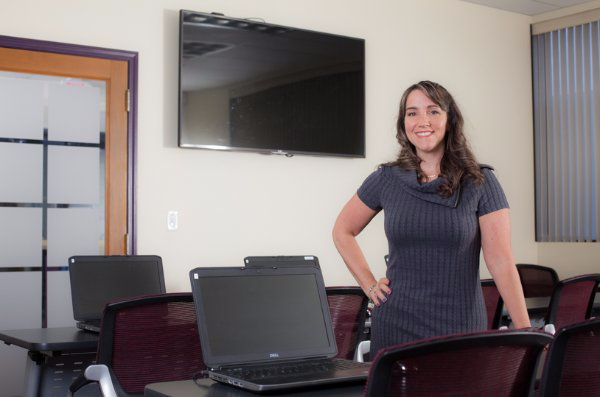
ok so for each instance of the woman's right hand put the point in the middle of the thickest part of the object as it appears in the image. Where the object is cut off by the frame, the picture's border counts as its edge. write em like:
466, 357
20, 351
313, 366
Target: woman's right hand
379, 291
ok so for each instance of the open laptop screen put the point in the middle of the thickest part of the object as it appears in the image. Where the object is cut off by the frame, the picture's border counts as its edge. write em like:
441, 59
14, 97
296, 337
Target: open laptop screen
96, 280
262, 314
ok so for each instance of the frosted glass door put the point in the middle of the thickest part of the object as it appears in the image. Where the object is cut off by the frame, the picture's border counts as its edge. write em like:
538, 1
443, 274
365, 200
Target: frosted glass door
52, 193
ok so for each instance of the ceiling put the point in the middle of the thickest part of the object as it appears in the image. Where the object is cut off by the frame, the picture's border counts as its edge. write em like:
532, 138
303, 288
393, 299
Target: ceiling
529, 7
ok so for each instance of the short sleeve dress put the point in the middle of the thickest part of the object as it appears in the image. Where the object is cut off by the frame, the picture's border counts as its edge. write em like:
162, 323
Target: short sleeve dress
434, 249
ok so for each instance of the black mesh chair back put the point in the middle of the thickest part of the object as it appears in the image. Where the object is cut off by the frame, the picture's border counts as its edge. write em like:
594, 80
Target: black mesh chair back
538, 281
572, 367
488, 363
348, 309
493, 303
150, 339
572, 300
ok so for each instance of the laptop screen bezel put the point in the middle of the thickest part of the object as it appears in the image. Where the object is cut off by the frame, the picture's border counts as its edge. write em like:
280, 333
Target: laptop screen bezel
282, 260
215, 360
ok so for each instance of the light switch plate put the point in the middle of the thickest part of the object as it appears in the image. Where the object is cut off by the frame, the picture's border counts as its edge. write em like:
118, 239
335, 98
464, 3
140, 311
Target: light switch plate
172, 220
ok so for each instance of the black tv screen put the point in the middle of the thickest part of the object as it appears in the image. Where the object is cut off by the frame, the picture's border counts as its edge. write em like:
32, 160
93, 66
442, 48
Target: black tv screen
253, 86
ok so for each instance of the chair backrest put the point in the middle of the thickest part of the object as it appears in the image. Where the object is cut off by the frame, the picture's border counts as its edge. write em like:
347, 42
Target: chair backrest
538, 281
572, 300
487, 363
572, 365
348, 309
493, 303
150, 339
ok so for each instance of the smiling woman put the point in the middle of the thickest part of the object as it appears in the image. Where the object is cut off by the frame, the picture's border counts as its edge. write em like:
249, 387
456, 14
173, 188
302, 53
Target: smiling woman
428, 111
441, 209
425, 124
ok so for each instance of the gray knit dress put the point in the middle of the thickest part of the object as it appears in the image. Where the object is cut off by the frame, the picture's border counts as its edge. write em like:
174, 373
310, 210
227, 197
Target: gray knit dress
434, 248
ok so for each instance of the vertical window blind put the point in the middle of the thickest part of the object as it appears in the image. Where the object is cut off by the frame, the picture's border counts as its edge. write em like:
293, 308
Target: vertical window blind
566, 95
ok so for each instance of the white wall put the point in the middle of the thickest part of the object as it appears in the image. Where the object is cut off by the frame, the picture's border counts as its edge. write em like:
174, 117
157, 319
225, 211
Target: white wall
236, 204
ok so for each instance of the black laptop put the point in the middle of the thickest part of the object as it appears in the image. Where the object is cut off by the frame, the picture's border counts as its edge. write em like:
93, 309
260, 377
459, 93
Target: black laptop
98, 279
252, 320
282, 260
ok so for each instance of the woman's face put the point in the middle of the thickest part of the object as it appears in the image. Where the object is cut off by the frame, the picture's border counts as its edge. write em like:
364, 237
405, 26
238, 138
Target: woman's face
424, 123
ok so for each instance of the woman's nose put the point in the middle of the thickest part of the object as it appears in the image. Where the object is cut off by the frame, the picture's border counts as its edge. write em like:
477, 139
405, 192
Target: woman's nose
424, 120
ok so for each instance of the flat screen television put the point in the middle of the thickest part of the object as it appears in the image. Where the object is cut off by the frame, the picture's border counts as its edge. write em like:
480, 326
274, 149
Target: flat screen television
248, 85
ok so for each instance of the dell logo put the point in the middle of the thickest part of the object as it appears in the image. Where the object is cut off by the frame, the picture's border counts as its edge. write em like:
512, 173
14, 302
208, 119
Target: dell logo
273, 355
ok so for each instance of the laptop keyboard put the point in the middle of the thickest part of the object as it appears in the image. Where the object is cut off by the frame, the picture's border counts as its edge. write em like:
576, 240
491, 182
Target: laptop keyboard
291, 369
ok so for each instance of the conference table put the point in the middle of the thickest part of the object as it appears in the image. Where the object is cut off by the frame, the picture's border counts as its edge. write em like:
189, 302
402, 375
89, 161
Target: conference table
54, 357
210, 388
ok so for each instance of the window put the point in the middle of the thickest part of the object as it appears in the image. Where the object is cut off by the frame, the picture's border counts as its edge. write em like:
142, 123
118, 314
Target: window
566, 95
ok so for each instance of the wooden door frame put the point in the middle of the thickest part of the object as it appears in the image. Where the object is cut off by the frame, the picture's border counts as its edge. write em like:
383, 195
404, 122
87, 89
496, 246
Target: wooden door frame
132, 68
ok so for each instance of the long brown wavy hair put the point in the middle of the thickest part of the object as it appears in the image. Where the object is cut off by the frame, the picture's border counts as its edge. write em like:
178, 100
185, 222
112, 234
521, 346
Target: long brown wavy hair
458, 161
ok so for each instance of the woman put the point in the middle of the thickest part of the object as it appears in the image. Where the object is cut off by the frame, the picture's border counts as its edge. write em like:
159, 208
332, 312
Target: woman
441, 209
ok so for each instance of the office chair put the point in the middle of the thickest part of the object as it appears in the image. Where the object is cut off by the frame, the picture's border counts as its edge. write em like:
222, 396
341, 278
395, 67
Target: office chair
538, 281
493, 303
144, 340
572, 366
572, 300
348, 309
487, 363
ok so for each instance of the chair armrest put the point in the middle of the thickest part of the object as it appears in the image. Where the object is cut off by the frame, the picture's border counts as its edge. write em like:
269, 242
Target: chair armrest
362, 349
95, 373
